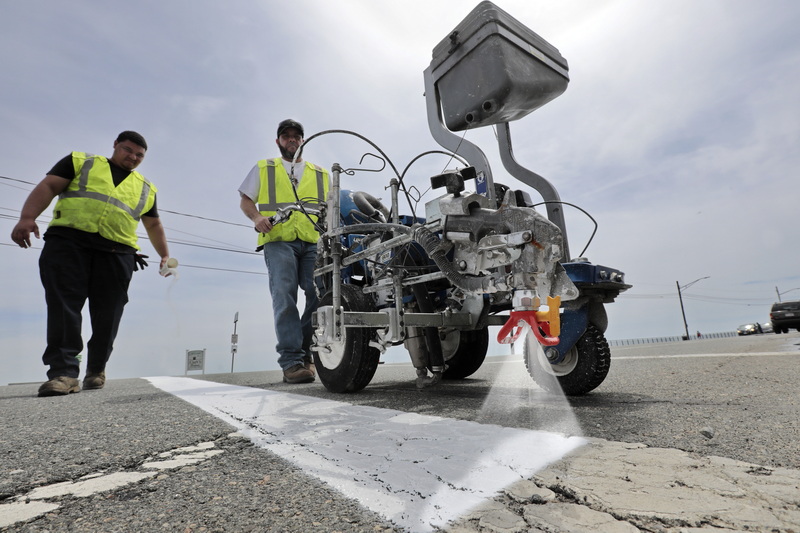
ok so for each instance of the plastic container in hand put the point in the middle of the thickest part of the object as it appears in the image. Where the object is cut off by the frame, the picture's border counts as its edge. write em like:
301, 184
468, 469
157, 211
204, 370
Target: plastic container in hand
170, 268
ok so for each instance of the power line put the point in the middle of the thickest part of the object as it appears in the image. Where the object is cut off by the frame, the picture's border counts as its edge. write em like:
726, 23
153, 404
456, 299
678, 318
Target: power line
205, 218
160, 210
171, 241
217, 248
19, 181
183, 265
699, 298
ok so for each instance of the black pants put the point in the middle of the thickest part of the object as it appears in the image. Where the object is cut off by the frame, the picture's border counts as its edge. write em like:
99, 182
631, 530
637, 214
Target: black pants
71, 274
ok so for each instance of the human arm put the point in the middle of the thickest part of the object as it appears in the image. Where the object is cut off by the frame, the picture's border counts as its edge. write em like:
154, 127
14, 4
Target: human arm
155, 232
260, 222
37, 201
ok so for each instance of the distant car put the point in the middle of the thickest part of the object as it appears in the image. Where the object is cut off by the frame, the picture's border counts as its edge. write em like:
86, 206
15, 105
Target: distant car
785, 315
748, 329
767, 327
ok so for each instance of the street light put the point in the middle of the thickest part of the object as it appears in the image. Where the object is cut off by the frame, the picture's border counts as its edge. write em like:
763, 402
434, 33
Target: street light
784, 292
685, 325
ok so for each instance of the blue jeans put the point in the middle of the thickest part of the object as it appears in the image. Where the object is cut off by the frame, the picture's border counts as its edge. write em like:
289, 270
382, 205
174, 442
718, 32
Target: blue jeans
291, 265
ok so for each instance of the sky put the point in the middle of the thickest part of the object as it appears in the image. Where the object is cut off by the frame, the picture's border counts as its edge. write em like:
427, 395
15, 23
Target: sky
678, 133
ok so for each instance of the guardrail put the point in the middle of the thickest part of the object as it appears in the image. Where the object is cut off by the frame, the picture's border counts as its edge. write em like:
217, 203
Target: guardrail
655, 340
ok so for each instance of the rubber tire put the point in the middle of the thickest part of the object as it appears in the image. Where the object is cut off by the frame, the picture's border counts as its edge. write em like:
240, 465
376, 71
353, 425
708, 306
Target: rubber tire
468, 352
584, 369
358, 360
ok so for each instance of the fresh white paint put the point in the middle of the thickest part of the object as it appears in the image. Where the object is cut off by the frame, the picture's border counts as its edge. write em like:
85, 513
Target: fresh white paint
418, 471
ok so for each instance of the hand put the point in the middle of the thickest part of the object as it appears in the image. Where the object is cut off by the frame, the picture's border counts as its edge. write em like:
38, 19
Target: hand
139, 261
263, 224
21, 234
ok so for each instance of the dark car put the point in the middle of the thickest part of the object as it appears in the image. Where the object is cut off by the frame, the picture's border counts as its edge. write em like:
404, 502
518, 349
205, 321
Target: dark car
749, 329
785, 315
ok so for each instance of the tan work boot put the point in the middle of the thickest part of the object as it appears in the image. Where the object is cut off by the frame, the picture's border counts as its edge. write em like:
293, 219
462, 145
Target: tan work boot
298, 374
94, 381
59, 386
308, 362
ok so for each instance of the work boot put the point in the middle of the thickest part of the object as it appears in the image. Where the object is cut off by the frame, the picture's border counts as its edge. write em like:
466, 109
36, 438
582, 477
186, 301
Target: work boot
308, 362
94, 380
298, 374
59, 386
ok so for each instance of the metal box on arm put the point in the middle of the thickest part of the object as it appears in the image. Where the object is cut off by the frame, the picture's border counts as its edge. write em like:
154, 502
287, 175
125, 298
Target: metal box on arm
493, 69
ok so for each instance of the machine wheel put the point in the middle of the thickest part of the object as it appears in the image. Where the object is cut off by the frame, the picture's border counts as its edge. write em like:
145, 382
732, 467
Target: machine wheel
464, 352
583, 369
351, 363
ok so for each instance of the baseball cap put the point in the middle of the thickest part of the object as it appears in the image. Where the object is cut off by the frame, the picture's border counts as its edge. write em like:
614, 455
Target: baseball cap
289, 123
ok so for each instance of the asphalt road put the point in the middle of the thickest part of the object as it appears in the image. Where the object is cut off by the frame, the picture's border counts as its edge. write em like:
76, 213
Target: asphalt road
731, 398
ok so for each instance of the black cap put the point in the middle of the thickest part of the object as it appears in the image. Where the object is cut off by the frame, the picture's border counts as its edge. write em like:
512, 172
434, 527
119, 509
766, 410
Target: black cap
289, 123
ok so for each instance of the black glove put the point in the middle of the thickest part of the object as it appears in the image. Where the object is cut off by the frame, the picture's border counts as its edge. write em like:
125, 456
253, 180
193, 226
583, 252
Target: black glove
139, 261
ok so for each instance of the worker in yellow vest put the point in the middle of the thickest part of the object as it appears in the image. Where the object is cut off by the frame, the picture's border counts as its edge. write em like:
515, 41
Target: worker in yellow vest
90, 253
290, 247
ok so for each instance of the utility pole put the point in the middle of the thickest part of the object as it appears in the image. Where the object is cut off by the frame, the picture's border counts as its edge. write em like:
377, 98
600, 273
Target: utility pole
234, 339
680, 297
683, 313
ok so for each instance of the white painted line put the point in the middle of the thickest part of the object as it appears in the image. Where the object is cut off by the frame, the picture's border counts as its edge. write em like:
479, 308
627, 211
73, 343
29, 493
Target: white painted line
489, 360
11, 513
701, 355
418, 471
181, 460
88, 487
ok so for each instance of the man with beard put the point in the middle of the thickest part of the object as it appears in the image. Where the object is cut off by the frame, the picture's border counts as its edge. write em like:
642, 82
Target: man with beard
290, 247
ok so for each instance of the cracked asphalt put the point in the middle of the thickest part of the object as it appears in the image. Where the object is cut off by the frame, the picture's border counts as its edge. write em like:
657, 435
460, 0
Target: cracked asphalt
688, 437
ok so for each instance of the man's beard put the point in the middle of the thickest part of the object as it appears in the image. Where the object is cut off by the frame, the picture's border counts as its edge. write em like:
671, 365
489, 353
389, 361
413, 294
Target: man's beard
286, 154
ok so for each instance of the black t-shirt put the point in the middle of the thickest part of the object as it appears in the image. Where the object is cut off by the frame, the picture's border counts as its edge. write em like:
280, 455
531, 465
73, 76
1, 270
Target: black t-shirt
65, 169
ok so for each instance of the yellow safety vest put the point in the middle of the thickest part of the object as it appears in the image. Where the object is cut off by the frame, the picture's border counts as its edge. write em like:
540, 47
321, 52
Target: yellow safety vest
276, 192
93, 204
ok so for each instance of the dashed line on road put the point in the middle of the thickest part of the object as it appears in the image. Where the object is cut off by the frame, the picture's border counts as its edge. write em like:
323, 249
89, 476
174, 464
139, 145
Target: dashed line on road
418, 471
31, 505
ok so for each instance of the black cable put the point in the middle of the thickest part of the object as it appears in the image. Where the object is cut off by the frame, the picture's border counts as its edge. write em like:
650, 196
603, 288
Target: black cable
400, 177
204, 218
19, 181
582, 210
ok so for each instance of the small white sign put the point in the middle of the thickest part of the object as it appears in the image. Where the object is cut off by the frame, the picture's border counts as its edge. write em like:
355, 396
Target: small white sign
195, 360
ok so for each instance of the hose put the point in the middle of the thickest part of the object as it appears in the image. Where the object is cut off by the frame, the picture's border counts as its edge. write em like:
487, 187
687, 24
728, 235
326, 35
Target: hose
432, 246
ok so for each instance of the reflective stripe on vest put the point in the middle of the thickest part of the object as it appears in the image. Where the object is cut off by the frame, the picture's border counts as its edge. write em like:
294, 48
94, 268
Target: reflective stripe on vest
271, 191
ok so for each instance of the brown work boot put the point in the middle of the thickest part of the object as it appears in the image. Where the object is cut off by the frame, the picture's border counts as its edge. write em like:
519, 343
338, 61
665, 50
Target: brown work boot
298, 374
59, 386
308, 362
94, 381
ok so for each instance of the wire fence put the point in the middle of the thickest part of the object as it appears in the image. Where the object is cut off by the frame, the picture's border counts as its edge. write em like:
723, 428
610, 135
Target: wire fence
654, 340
